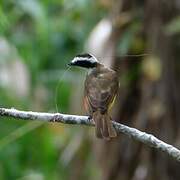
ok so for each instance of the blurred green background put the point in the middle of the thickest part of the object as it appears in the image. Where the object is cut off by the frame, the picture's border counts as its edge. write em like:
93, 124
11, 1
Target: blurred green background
37, 40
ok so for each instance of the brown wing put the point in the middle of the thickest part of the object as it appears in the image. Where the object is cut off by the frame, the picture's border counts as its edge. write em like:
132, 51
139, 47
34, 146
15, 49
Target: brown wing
100, 89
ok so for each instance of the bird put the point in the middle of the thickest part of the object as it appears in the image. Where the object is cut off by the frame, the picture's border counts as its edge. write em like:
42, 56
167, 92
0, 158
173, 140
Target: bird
100, 90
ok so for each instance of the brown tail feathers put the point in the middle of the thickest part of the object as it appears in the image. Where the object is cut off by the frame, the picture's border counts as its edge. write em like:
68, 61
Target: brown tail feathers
103, 126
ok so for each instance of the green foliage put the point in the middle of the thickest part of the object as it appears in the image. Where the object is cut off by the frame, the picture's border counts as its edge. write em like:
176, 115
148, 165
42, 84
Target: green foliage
128, 38
44, 35
173, 27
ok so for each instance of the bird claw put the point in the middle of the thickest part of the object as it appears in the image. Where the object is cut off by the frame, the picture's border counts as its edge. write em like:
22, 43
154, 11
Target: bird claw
55, 118
90, 119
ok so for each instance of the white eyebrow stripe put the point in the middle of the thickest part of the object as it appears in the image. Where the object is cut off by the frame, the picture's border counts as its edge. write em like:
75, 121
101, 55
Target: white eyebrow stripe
92, 59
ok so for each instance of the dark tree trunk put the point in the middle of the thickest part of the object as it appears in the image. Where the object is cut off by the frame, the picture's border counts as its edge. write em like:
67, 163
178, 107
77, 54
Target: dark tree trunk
150, 100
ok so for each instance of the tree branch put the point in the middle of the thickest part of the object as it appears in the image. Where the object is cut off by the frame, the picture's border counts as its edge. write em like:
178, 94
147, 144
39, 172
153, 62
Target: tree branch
143, 137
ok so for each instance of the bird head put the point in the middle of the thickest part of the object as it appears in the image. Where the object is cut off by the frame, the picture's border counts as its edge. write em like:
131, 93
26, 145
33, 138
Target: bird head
84, 60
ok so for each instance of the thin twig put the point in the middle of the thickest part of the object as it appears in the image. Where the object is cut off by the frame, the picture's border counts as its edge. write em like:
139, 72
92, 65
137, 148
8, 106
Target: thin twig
143, 137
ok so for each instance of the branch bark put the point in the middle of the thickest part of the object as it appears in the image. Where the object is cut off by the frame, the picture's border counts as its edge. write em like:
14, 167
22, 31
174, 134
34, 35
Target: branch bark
143, 137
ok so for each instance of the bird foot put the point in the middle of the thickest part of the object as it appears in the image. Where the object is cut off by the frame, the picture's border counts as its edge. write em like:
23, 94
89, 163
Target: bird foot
90, 119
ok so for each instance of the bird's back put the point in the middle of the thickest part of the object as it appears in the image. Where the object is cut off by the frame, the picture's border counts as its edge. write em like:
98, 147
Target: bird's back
101, 86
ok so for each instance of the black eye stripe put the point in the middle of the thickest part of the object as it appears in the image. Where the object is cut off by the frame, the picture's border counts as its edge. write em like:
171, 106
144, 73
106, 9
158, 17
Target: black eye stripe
86, 64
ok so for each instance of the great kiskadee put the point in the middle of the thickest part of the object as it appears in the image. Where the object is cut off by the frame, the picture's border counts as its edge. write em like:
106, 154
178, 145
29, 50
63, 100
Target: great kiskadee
100, 89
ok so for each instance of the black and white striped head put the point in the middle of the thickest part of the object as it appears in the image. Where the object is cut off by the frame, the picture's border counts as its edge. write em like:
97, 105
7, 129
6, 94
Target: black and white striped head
84, 60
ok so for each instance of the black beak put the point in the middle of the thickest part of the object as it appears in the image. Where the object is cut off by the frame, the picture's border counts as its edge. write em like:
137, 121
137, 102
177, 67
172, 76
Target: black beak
70, 64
